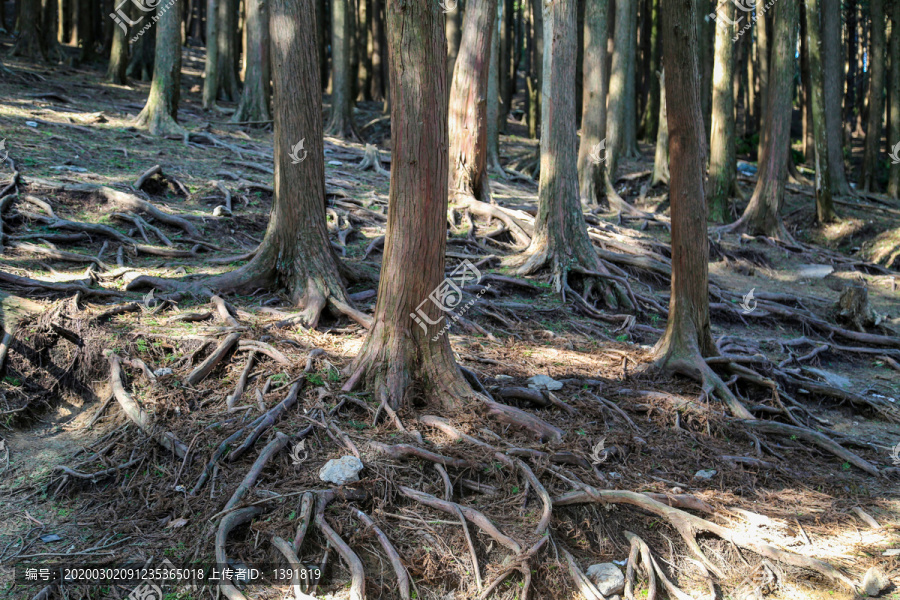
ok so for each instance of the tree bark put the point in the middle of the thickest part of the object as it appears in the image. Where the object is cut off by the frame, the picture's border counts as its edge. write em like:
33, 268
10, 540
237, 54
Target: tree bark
229, 88
118, 57
377, 50
211, 68
763, 213
507, 72
593, 119
86, 30
536, 75
762, 53
629, 147
29, 43
661, 157
832, 69
468, 103
454, 31
493, 99
722, 159
296, 254
824, 183
894, 174
364, 43
619, 94
650, 120
254, 104
143, 50
807, 136
341, 123
399, 355
687, 338
853, 45
876, 60
161, 111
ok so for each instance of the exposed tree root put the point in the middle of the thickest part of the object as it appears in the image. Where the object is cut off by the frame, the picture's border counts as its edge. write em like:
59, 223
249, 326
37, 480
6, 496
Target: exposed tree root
291, 556
393, 555
206, 367
271, 449
357, 573
229, 522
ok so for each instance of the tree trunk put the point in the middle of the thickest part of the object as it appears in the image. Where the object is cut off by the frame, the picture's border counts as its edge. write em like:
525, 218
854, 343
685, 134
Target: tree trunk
560, 238
493, 99
661, 157
876, 59
86, 30
254, 104
832, 69
468, 104
593, 119
161, 110
853, 45
619, 94
629, 147
211, 68
229, 88
50, 29
807, 136
118, 57
400, 355
507, 72
762, 53
296, 254
341, 122
377, 50
722, 160
687, 338
824, 184
364, 43
763, 214
894, 138
143, 51
29, 43
322, 40
537, 76
650, 120
454, 31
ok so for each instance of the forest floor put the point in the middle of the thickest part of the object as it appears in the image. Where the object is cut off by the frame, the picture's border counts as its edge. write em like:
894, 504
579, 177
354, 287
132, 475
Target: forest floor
624, 429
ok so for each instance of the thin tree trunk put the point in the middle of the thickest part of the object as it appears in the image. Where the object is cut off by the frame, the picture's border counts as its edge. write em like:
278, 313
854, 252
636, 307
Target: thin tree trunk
118, 57
229, 88
763, 213
762, 53
377, 50
143, 51
894, 174
619, 95
341, 123
629, 147
876, 60
254, 104
824, 184
322, 40
211, 68
651, 110
400, 355
493, 99
454, 31
468, 104
506, 74
722, 159
808, 137
86, 30
853, 45
161, 111
688, 338
537, 75
591, 150
364, 43
832, 69
29, 43
660, 173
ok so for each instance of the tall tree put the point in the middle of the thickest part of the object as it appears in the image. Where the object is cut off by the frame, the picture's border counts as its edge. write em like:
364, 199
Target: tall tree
763, 42
161, 111
468, 103
894, 110
629, 147
228, 85
118, 56
619, 93
493, 100
398, 355
660, 172
341, 123
876, 61
30, 42
824, 183
722, 158
454, 31
687, 339
211, 67
832, 69
143, 50
254, 104
763, 213
593, 99
560, 239
649, 121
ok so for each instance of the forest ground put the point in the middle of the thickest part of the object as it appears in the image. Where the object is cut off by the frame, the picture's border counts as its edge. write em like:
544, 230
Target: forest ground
47, 408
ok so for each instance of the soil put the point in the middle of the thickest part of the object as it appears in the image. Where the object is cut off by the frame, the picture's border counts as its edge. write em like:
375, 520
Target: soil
800, 499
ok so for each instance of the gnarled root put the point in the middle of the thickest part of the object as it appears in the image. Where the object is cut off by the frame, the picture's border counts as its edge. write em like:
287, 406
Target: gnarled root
393, 555
229, 522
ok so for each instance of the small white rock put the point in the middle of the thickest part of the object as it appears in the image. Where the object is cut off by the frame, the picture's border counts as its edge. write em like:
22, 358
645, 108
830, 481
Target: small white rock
544, 382
607, 577
705, 474
31, 123
341, 471
875, 582
335, 163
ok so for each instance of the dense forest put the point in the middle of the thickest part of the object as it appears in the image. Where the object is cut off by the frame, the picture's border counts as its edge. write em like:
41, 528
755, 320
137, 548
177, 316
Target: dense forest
449, 299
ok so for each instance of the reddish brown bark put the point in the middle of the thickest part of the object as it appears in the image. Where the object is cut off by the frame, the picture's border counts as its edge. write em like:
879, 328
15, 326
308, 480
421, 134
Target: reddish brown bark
399, 355
468, 103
